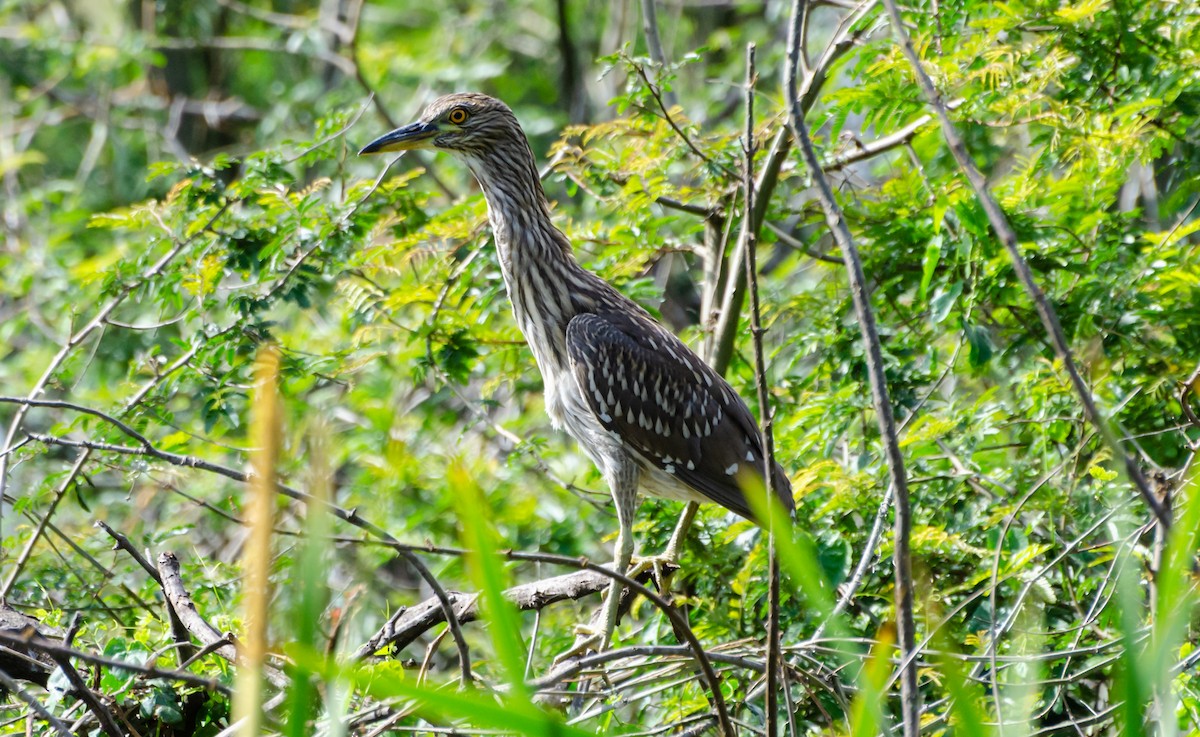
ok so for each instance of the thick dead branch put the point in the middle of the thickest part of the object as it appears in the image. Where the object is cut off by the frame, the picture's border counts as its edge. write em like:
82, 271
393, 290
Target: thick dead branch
409, 624
181, 602
178, 631
27, 664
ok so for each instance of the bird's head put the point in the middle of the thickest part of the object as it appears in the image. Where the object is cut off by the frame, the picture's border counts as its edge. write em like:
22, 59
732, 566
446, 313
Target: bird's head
466, 123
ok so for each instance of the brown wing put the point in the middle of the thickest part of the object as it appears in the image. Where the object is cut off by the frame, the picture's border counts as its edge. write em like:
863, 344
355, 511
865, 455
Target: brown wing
652, 391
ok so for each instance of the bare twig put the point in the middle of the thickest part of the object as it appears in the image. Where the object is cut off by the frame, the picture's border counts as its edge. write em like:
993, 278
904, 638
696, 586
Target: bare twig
864, 563
97, 321
750, 234
665, 107
735, 285
53, 648
44, 522
794, 242
574, 667
678, 622
879, 146
654, 43
411, 622
846, 36
1008, 237
909, 693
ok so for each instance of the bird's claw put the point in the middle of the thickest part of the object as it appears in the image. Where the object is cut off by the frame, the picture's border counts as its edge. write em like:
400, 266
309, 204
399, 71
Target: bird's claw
587, 639
661, 567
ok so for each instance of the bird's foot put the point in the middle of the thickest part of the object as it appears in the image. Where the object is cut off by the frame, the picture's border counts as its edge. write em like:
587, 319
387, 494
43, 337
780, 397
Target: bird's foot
661, 566
595, 635
587, 639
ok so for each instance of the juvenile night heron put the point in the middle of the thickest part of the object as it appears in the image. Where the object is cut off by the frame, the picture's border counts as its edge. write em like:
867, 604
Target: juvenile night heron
647, 410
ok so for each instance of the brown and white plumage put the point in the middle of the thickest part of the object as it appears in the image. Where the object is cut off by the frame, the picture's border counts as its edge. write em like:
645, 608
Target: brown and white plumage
649, 412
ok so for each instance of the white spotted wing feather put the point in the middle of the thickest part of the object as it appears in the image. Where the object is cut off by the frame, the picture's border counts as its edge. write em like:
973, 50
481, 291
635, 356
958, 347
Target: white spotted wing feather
673, 411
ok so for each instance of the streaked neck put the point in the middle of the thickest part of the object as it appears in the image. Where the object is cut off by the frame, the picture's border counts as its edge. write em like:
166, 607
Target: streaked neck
535, 257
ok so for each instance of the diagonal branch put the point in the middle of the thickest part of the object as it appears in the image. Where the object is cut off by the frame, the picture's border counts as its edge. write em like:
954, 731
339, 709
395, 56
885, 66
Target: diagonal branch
1008, 238
410, 623
909, 693
97, 322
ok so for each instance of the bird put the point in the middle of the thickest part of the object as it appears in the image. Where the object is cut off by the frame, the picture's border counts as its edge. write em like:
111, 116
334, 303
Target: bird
648, 411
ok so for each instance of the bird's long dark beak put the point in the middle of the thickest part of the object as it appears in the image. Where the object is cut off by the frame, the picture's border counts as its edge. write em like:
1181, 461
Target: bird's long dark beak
411, 136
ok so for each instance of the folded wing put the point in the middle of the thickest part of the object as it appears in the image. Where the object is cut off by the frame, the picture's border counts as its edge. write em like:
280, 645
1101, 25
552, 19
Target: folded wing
652, 391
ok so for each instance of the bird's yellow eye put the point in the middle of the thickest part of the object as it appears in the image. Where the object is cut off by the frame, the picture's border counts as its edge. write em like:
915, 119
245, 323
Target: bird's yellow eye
458, 116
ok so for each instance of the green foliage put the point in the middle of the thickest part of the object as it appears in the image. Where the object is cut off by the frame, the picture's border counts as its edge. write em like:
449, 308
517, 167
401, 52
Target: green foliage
181, 187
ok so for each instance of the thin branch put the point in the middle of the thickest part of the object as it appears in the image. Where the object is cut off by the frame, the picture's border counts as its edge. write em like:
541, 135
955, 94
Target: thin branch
59, 492
97, 321
909, 693
1008, 237
411, 622
9, 683
735, 286
845, 38
679, 624
750, 234
791, 241
665, 108
654, 43
576, 666
105, 717
864, 563
878, 146
55, 649
126, 429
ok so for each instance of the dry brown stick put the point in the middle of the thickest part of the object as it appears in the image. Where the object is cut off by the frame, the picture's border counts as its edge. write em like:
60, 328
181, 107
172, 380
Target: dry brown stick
1008, 237
910, 695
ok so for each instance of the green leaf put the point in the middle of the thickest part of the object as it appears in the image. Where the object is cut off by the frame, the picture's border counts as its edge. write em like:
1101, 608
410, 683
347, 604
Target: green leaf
933, 254
980, 345
943, 301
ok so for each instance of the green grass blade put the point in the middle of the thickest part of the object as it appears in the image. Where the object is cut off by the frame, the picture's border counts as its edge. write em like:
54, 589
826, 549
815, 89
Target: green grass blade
488, 574
442, 703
